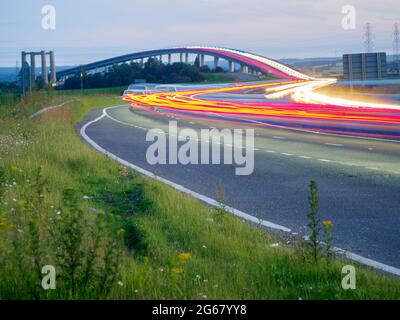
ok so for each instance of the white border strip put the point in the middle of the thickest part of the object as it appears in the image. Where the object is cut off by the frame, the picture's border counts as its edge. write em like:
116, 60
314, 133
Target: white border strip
349, 255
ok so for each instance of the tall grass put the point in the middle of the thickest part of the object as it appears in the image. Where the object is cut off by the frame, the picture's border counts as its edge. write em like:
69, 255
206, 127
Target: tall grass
114, 234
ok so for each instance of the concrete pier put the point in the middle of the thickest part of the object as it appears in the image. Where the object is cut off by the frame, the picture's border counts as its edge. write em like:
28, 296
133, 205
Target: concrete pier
201, 60
216, 62
45, 75
53, 77
33, 68
244, 68
231, 66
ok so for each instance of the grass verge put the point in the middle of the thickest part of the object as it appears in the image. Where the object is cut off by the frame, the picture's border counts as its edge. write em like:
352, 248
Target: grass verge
113, 234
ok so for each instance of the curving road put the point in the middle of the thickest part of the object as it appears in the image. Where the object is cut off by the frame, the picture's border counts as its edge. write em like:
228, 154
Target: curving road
358, 178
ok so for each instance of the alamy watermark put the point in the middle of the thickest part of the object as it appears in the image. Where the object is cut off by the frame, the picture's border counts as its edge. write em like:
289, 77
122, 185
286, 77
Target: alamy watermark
349, 280
237, 145
49, 278
349, 21
49, 17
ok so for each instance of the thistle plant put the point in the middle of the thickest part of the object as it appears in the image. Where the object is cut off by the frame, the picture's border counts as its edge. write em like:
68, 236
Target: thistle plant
314, 221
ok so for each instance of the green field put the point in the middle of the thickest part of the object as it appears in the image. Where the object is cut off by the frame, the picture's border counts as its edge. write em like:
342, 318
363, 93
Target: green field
113, 234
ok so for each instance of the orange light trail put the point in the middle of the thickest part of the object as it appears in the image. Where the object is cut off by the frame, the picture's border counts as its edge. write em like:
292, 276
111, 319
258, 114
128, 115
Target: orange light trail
304, 105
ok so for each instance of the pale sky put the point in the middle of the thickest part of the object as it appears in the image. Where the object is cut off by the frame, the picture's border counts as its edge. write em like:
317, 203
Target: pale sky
89, 30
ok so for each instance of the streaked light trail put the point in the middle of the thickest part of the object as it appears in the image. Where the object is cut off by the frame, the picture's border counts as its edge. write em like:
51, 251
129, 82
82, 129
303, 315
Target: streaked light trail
303, 108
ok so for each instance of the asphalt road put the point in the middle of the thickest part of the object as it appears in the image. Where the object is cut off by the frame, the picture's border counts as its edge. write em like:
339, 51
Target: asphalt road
358, 179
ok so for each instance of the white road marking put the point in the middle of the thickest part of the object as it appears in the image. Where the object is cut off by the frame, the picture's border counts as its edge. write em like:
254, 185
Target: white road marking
214, 203
280, 138
268, 151
308, 131
333, 144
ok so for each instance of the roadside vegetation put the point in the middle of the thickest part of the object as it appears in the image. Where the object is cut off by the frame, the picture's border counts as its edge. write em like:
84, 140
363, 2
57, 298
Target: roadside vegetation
113, 234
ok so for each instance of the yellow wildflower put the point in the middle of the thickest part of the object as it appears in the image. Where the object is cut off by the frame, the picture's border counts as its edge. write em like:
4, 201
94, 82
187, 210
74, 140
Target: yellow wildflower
14, 168
176, 270
184, 256
328, 224
121, 231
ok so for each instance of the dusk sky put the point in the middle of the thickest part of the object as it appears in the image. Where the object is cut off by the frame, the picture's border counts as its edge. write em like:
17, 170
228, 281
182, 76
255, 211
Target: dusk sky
89, 30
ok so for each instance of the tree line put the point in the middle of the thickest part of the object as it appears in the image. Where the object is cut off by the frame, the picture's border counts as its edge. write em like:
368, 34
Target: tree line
153, 71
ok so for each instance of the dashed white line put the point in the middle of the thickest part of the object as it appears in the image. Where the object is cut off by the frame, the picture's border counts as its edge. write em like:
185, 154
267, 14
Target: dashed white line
324, 160
333, 144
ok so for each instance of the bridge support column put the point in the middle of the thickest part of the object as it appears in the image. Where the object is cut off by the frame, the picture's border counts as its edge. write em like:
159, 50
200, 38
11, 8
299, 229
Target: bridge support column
181, 57
33, 68
142, 62
169, 58
160, 58
23, 57
201, 60
244, 68
53, 76
44, 68
231, 66
216, 62
187, 58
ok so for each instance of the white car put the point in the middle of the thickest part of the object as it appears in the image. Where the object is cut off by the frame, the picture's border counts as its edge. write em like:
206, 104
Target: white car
138, 89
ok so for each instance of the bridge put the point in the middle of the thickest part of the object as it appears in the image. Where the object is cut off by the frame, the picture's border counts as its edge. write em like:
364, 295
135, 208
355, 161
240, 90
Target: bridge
248, 62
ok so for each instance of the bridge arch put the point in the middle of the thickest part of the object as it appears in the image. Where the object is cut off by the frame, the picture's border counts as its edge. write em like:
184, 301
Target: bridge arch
244, 59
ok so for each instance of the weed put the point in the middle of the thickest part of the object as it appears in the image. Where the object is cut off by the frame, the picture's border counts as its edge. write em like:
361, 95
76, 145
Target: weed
314, 222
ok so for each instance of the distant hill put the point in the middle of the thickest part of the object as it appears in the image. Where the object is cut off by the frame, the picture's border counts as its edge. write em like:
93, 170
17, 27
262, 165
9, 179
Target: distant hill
9, 74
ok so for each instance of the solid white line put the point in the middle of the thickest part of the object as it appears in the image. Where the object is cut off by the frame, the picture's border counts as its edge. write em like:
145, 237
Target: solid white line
352, 256
178, 187
369, 262
324, 160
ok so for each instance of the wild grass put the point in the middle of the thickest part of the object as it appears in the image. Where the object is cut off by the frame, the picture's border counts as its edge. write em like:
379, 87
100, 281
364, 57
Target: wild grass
113, 234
